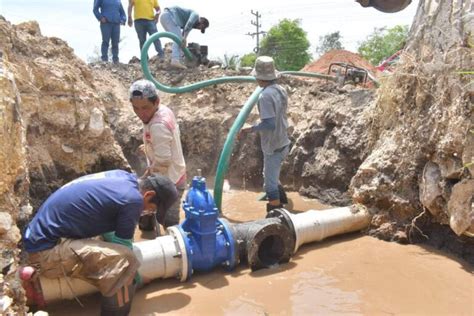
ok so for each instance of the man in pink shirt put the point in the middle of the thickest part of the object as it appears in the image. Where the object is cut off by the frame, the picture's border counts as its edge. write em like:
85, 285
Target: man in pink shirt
162, 145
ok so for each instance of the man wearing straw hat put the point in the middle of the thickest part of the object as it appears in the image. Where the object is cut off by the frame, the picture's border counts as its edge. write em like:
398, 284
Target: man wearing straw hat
272, 107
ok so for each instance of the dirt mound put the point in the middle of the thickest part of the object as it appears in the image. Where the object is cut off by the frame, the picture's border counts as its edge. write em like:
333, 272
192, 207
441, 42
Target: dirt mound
339, 55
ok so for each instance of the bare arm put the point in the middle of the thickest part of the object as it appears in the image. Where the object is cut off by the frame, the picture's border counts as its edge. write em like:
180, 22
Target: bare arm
131, 3
157, 14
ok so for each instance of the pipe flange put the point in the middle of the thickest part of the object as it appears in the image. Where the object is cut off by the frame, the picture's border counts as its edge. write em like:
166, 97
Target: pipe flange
272, 244
233, 249
285, 217
179, 236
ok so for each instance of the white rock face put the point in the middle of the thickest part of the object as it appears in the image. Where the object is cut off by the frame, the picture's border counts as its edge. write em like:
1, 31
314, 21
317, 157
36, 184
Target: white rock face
460, 207
5, 222
96, 123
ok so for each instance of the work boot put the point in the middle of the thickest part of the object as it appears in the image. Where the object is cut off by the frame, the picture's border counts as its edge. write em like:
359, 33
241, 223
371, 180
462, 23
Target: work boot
272, 207
118, 304
282, 193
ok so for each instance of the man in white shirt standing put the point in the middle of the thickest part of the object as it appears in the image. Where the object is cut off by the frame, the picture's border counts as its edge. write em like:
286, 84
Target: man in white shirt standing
162, 145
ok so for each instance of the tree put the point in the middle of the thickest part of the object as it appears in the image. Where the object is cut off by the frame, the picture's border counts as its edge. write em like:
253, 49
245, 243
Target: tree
287, 44
248, 60
383, 43
329, 42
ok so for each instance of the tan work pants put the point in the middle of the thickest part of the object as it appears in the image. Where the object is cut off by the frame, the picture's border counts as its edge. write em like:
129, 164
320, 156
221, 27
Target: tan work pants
106, 265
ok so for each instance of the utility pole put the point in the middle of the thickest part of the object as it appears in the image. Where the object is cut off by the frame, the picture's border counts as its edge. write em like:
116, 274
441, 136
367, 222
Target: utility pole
258, 26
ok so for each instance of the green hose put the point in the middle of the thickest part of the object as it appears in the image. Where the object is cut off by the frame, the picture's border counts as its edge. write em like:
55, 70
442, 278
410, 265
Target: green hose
229, 146
187, 53
239, 121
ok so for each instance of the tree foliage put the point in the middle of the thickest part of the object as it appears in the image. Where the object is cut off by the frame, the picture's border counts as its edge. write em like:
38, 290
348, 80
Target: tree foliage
383, 43
287, 44
248, 60
329, 42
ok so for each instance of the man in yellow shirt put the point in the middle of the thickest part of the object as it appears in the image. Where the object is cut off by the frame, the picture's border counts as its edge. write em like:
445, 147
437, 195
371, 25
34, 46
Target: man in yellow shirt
146, 16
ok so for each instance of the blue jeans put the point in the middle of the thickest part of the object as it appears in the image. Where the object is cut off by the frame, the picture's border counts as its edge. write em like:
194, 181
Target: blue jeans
110, 31
144, 27
271, 172
170, 26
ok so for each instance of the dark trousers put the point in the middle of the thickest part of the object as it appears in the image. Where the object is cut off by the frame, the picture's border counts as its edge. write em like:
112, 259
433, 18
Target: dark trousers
144, 27
110, 32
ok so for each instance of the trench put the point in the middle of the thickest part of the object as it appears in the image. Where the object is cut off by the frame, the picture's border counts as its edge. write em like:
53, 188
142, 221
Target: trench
350, 275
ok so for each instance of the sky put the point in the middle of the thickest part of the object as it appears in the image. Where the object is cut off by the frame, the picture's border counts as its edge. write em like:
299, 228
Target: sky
74, 22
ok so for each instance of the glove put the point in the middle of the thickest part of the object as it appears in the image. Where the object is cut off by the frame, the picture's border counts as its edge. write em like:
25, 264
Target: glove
111, 237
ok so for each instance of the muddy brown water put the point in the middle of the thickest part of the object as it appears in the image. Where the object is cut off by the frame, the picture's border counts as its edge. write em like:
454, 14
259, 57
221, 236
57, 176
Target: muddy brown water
343, 275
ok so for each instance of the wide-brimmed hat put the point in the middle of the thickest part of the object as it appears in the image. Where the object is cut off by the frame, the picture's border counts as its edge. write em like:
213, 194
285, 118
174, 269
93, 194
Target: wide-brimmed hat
265, 69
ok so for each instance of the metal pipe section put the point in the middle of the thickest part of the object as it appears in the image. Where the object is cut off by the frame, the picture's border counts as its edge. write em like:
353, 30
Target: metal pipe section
163, 257
263, 243
316, 225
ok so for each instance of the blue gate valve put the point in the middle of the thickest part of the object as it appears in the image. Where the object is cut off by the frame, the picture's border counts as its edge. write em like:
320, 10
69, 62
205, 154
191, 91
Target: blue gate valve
207, 239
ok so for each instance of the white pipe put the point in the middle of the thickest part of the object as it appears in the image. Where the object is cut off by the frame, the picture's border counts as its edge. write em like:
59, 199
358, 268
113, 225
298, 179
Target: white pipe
316, 225
59, 289
163, 257
166, 256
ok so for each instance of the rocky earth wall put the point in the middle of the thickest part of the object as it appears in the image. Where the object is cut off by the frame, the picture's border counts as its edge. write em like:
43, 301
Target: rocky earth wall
13, 190
54, 129
419, 171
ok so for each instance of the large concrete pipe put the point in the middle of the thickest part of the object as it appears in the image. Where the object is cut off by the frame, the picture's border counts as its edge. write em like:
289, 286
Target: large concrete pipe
316, 225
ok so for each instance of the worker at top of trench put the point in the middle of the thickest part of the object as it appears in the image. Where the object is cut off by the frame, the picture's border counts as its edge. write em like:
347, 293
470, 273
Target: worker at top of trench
272, 128
146, 14
60, 239
161, 145
181, 21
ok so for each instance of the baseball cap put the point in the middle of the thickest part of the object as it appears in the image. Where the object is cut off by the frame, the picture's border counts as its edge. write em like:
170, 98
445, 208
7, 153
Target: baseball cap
143, 88
166, 194
205, 23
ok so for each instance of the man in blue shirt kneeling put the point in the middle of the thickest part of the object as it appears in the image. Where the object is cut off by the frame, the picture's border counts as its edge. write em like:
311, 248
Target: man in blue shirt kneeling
60, 238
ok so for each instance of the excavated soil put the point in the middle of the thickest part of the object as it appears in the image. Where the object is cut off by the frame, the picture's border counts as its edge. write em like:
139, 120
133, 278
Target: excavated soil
339, 56
326, 128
